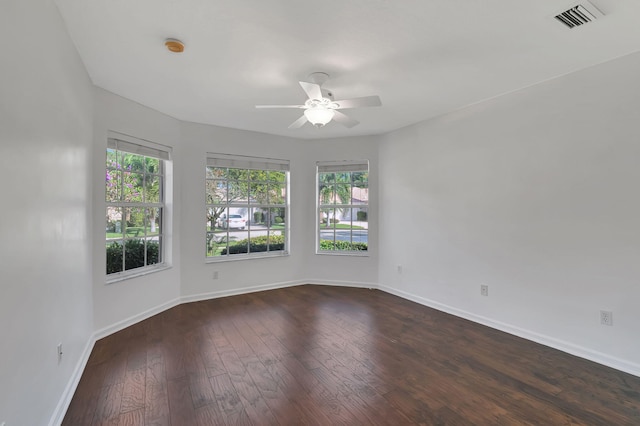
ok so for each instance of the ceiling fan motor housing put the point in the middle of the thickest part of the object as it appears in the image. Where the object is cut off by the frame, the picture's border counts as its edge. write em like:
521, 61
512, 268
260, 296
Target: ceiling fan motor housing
323, 103
320, 108
327, 94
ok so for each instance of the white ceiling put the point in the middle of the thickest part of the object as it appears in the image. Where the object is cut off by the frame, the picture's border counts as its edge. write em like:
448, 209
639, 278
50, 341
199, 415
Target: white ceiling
423, 58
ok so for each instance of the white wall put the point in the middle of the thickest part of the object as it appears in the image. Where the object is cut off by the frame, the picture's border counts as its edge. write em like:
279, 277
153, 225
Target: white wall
45, 212
302, 264
121, 302
535, 194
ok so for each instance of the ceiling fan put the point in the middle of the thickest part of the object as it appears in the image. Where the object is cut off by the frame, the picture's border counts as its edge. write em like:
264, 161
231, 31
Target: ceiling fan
320, 108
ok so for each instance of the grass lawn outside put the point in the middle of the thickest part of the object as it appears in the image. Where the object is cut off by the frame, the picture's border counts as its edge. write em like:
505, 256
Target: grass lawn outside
341, 226
134, 231
274, 226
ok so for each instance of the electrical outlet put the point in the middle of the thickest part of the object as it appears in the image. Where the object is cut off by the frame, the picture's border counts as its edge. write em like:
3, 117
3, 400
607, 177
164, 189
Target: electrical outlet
484, 290
215, 275
606, 317
399, 268
59, 347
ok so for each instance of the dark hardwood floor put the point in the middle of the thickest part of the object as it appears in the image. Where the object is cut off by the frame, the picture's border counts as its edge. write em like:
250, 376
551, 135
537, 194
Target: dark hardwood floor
329, 355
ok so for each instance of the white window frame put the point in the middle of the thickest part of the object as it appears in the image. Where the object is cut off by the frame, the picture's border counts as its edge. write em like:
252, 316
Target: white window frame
341, 167
132, 145
243, 162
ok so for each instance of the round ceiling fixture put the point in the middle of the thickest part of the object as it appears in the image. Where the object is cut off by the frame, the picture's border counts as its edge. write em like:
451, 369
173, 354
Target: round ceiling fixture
174, 45
319, 116
318, 78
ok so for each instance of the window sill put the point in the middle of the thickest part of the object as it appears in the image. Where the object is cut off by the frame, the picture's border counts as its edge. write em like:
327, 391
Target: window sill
122, 276
360, 253
234, 258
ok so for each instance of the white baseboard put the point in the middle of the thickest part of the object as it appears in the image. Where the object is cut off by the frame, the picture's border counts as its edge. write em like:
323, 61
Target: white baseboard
70, 389
273, 286
106, 331
355, 284
237, 291
579, 351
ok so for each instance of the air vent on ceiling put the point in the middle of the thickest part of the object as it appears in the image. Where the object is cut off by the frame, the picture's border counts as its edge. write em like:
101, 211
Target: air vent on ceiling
579, 15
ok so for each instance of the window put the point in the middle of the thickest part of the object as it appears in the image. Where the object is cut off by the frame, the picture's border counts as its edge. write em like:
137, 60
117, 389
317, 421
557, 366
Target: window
135, 182
246, 207
343, 200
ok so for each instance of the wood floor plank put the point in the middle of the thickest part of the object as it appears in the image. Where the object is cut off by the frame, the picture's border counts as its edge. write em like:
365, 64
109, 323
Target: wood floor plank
108, 408
219, 339
291, 334
201, 390
156, 402
270, 340
137, 355
330, 403
341, 356
281, 404
384, 413
173, 355
420, 411
117, 369
352, 404
193, 362
210, 415
132, 418
85, 400
181, 407
226, 395
237, 342
210, 357
354, 384
157, 405
258, 347
251, 398
134, 390
254, 405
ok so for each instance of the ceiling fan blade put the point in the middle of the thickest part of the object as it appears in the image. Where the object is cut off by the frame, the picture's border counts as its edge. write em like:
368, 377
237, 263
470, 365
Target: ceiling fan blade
279, 106
344, 119
299, 122
366, 101
312, 90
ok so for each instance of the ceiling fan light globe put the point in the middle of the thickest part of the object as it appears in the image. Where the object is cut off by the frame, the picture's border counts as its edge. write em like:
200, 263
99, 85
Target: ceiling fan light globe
319, 116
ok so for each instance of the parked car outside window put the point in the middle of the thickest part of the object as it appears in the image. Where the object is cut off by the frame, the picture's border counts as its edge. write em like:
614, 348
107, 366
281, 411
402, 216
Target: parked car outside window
234, 221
